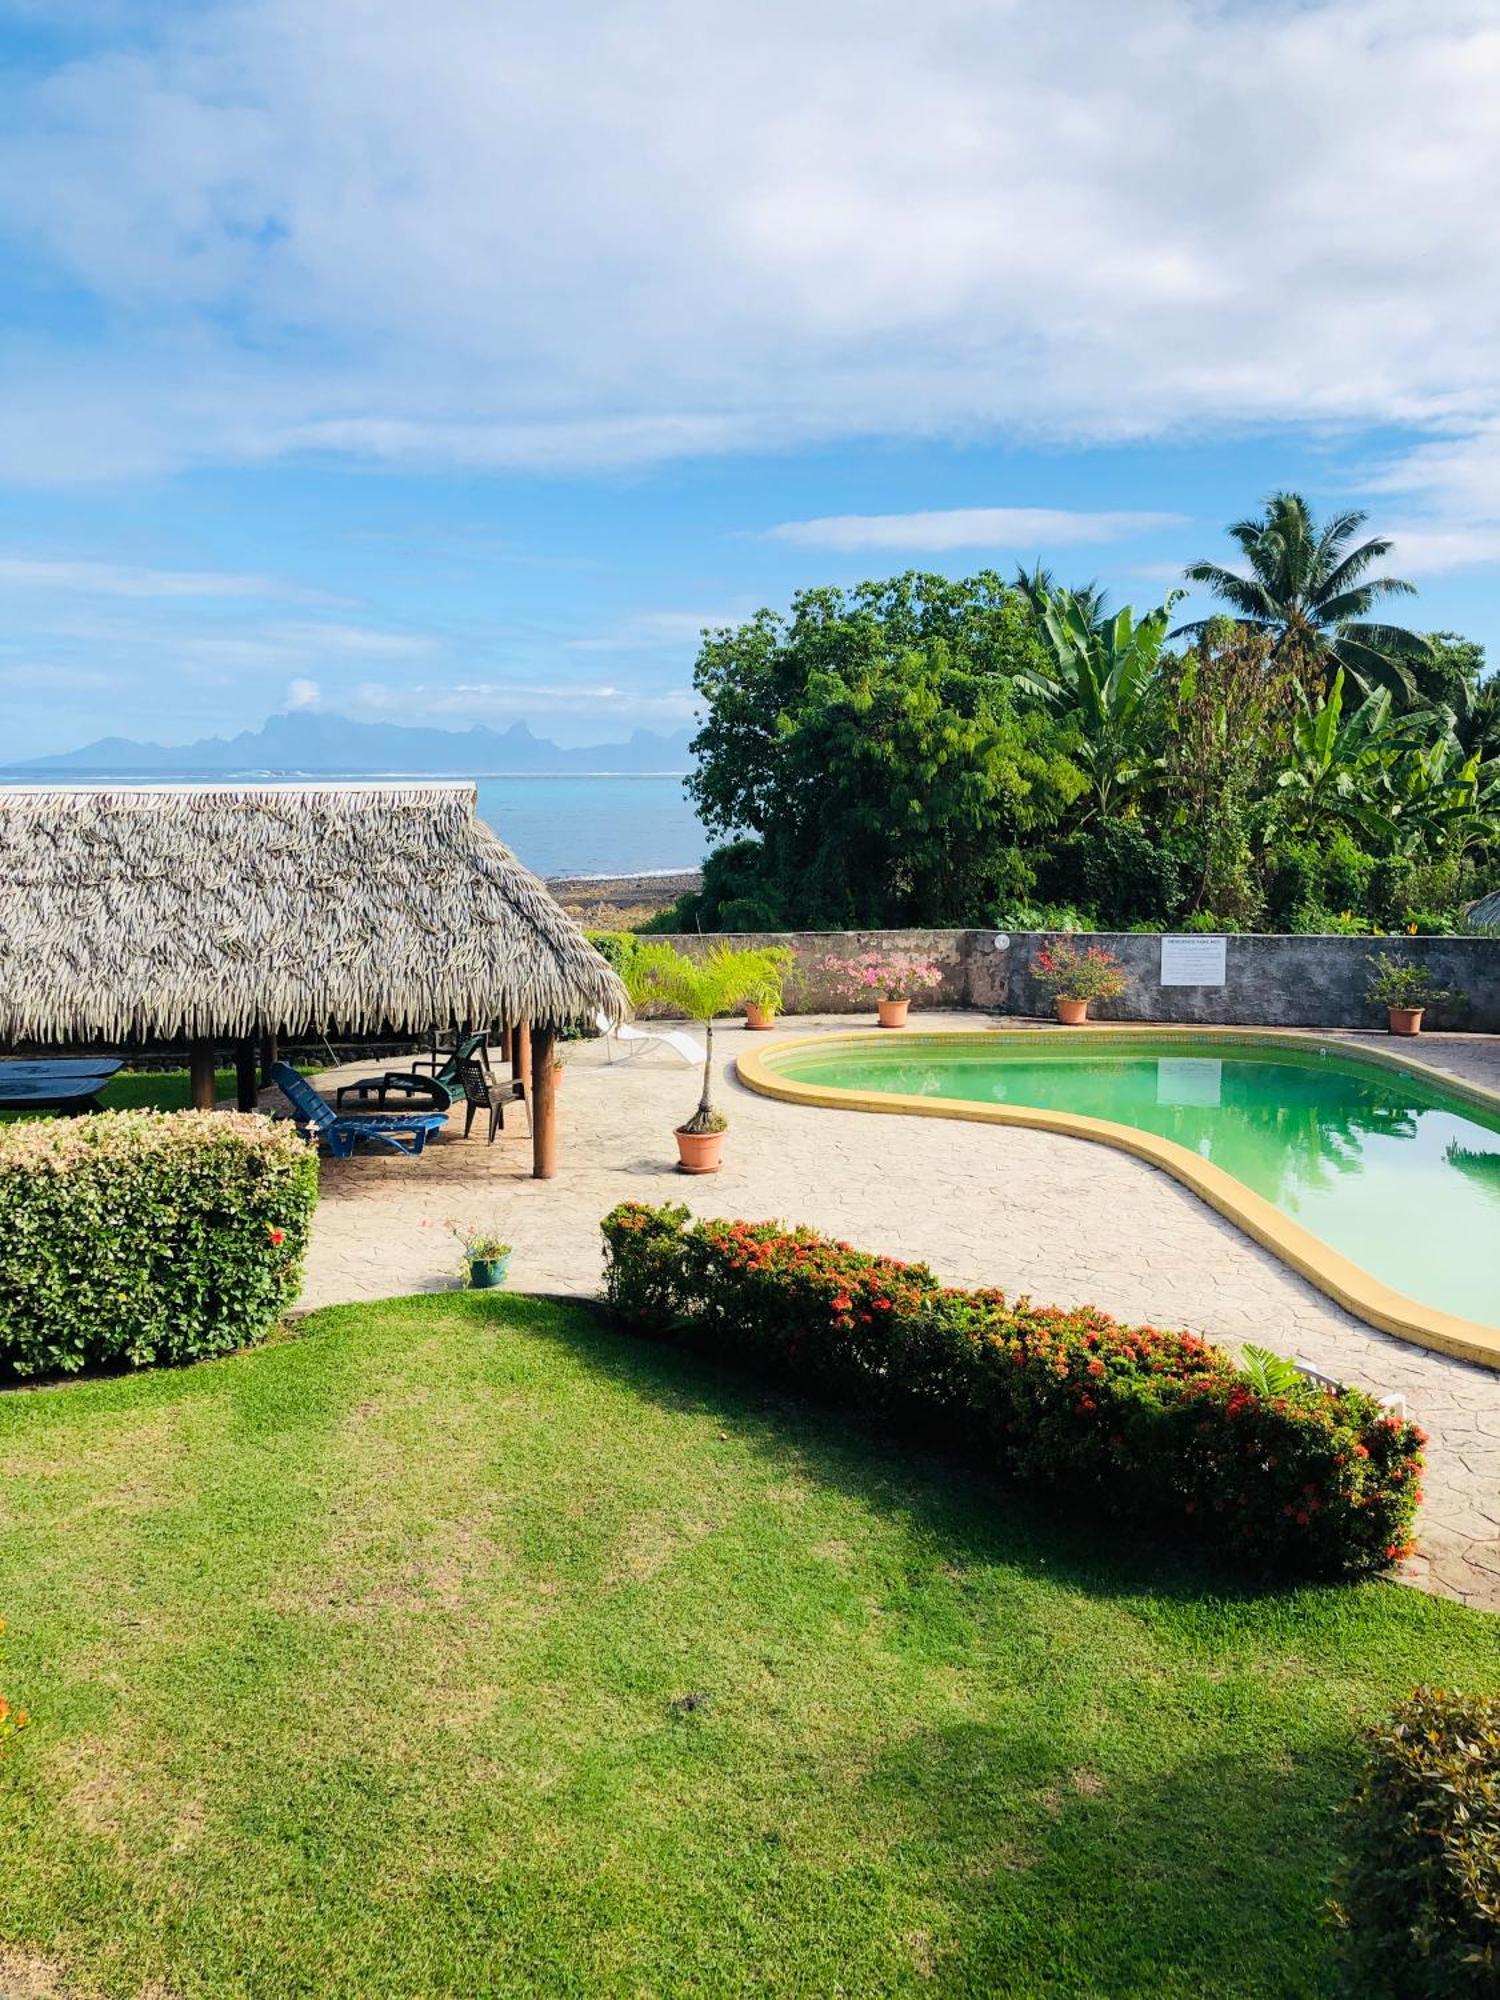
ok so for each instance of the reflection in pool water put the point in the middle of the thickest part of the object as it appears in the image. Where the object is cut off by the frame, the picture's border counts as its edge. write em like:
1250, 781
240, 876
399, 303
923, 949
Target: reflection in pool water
1383, 1166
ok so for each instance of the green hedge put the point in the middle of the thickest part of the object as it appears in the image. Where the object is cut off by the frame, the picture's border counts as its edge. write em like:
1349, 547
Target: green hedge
137, 1237
1420, 1902
1151, 1426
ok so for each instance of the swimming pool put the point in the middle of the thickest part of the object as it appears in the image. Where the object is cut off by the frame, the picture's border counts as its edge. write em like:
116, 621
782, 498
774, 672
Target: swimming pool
1378, 1178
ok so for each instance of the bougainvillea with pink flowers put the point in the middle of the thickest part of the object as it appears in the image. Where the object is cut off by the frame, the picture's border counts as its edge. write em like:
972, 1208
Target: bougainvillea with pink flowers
1158, 1426
1073, 974
875, 975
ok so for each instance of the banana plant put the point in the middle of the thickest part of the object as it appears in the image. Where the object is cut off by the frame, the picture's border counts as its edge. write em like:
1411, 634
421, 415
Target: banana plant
1340, 766
1105, 677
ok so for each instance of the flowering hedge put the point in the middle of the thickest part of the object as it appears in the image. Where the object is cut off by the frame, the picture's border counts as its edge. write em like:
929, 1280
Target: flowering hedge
1420, 1899
1162, 1427
141, 1236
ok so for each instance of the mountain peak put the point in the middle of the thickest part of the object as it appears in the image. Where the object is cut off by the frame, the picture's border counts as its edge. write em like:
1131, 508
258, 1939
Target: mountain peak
316, 743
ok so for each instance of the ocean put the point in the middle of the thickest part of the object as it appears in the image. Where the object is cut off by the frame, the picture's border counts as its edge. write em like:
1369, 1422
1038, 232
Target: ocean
595, 825
573, 825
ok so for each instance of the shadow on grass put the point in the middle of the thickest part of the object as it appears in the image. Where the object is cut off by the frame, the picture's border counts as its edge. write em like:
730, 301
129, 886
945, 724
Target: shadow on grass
977, 1516
1210, 1878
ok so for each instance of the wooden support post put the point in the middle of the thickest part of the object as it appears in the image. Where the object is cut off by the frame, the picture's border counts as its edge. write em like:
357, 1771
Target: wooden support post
246, 1087
520, 1056
542, 1105
270, 1055
201, 1074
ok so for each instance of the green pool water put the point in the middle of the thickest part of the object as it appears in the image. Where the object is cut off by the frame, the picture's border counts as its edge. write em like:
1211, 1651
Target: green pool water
1386, 1168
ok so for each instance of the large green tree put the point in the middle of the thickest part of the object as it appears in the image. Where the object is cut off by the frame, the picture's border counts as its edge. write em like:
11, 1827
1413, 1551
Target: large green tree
753, 678
872, 746
1310, 589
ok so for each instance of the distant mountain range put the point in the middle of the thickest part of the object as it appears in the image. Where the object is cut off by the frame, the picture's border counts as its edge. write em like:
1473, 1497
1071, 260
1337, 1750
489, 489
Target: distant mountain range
304, 744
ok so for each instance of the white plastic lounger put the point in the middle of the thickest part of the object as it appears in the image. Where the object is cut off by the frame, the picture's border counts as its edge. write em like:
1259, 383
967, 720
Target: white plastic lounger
674, 1038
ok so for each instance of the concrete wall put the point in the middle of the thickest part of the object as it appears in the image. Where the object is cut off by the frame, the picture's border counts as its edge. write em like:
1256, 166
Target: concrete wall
1281, 982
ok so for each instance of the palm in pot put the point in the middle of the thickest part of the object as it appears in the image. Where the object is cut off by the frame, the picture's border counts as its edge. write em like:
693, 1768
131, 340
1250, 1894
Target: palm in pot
701, 987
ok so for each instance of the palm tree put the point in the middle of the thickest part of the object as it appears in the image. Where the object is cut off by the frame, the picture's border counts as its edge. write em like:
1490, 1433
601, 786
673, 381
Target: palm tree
701, 987
1038, 586
1310, 590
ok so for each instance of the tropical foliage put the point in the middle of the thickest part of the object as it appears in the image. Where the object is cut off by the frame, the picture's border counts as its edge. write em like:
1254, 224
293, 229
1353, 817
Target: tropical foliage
928, 751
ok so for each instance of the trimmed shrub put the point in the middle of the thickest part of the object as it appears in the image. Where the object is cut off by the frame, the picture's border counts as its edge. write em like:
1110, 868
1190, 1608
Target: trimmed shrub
1160, 1426
1420, 1899
140, 1236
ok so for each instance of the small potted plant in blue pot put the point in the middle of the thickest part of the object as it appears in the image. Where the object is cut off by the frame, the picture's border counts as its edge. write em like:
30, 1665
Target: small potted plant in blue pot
486, 1259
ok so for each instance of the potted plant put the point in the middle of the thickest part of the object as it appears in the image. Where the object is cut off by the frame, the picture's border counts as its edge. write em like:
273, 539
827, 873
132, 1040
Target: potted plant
767, 989
486, 1257
701, 987
1074, 977
889, 978
1406, 990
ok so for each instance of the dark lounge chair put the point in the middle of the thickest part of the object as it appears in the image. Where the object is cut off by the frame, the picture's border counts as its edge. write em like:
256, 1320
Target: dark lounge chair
403, 1132
442, 1089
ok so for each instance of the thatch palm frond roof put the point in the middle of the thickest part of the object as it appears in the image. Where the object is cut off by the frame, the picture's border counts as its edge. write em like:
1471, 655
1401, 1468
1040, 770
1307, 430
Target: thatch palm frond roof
230, 910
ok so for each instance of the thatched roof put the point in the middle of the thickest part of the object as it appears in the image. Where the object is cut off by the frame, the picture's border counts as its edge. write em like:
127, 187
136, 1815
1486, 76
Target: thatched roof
1485, 914
225, 910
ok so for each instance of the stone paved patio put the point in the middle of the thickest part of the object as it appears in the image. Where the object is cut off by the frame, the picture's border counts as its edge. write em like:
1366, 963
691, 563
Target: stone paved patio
1067, 1221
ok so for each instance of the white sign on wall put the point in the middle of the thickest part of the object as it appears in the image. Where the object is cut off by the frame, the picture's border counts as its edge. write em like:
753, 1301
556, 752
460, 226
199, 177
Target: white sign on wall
1193, 961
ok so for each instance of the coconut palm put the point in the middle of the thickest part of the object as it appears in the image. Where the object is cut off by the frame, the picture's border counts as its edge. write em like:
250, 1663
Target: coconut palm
1039, 586
1310, 589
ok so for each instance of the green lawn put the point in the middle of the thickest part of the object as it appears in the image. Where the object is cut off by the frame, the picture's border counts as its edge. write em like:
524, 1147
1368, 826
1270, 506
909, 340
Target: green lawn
158, 1089
151, 1090
462, 1646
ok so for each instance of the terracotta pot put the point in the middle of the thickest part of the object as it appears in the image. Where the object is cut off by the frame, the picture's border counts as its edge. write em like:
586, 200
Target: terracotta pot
699, 1152
893, 1013
1072, 1013
1405, 1020
759, 1018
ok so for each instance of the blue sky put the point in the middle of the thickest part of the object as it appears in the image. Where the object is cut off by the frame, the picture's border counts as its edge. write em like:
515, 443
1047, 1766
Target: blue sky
456, 364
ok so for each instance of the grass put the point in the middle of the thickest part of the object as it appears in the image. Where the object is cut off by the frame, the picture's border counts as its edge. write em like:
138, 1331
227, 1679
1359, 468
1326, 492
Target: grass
150, 1090
158, 1090
463, 1646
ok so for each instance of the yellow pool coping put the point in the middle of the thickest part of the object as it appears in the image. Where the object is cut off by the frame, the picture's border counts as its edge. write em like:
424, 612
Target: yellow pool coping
1347, 1283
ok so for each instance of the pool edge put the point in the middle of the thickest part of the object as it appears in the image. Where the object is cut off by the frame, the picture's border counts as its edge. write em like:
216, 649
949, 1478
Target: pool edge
1345, 1282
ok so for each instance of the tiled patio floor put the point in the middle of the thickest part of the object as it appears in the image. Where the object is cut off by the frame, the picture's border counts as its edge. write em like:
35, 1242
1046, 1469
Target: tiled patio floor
1065, 1220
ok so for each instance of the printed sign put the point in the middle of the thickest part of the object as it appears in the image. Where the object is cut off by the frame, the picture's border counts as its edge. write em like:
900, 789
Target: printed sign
1193, 961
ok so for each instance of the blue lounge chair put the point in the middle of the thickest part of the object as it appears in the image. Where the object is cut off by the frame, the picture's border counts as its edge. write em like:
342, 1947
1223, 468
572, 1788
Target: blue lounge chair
403, 1132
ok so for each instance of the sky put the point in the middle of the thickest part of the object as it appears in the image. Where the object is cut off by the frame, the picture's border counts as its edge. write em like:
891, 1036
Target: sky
458, 363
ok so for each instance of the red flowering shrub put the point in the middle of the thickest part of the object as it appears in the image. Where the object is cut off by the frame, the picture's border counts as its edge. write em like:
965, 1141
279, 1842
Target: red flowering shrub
1161, 1426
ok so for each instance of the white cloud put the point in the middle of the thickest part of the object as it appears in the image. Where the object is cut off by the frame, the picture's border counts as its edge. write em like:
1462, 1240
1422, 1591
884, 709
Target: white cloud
999, 528
101, 579
487, 700
658, 631
303, 694
616, 233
